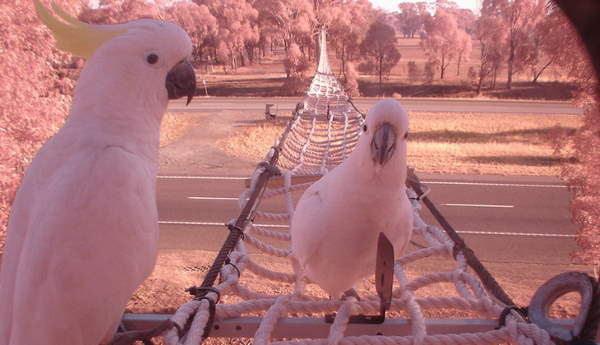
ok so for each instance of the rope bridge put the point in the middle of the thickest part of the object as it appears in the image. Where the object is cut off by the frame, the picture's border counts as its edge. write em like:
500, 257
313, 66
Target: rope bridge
295, 312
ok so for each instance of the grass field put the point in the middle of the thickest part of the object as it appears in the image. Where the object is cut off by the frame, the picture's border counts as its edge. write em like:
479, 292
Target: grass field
266, 77
456, 143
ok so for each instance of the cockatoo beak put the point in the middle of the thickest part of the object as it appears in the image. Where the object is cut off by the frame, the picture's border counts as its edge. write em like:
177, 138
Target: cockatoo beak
383, 144
181, 81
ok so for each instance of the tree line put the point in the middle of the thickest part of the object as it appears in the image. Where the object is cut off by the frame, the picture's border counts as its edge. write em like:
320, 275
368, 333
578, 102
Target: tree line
524, 37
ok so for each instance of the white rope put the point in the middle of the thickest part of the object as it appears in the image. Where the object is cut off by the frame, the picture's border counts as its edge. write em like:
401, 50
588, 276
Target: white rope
315, 143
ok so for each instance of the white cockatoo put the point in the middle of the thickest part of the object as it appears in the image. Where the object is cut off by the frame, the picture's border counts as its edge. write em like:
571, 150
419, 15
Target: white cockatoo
337, 221
83, 231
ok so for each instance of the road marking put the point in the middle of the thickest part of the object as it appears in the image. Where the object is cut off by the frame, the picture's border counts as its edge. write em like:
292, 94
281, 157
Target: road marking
521, 234
426, 182
479, 205
172, 222
496, 184
466, 232
211, 198
201, 177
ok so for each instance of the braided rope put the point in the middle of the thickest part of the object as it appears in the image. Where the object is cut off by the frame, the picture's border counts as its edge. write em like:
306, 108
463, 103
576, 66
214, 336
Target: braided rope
322, 135
472, 297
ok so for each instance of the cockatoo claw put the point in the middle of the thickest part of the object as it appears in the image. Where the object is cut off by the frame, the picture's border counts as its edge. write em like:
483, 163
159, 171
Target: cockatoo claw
351, 293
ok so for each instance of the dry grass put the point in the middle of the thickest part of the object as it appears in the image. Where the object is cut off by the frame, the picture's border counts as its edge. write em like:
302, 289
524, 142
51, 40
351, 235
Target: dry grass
456, 143
164, 291
174, 126
252, 143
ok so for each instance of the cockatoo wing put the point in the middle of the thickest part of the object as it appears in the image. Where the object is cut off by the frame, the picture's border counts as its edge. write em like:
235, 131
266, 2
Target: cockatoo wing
306, 223
73, 234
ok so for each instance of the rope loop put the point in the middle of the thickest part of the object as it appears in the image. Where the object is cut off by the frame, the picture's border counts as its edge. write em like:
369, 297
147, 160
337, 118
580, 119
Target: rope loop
522, 311
228, 262
232, 227
271, 169
199, 293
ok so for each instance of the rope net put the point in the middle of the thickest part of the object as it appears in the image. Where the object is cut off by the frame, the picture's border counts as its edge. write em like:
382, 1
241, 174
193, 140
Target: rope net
326, 125
268, 237
321, 136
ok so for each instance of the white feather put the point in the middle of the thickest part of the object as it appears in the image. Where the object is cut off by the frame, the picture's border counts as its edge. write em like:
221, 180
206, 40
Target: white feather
338, 219
83, 231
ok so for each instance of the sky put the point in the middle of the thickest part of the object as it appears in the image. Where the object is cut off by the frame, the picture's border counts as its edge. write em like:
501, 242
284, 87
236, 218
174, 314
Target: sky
392, 5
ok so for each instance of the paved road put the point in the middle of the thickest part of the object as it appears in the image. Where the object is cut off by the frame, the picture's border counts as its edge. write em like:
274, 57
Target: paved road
504, 219
284, 105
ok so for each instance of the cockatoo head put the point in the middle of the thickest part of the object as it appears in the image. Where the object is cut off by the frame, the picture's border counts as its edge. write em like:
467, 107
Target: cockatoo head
143, 57
385, 132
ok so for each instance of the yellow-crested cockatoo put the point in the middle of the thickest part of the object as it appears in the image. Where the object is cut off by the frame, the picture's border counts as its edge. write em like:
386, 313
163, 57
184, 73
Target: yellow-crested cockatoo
83, 230
337, 221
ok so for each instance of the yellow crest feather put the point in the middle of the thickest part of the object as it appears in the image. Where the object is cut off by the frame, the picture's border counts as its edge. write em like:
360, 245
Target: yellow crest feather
72, 35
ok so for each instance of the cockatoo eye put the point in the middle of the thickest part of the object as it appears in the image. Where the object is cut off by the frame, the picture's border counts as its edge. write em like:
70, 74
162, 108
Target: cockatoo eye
365, 128
406, 135
152, 58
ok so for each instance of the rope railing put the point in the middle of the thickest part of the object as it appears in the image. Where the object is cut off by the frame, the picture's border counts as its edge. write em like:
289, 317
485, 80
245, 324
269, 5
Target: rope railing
315, 141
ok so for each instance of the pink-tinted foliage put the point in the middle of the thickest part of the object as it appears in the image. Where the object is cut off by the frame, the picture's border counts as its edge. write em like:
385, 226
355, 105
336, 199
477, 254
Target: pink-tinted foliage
198, 22
237, 23
442, 39
379, 51
351, 80
290, 20
519, 17
411, 17
583, 176
119, 11
464, 48
297, 67
352, 19
34, 94
491, 32
584, 179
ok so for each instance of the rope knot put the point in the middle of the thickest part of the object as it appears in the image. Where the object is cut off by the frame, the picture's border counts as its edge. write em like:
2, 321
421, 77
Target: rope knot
270, 169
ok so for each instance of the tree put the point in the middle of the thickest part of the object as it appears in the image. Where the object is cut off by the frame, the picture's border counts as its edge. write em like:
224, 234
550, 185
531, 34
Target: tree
441, 39
465, 19
491, 33
464, 48
291, 20
411, 17
349, 28
351, 81
585, 177
413, 72
34, 94
379, 50
237, 22
198, 22
297, 66
519, 17
553, 42
118, 11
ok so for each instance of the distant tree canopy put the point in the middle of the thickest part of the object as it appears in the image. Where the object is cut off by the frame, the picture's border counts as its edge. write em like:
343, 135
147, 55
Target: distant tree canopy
379, 51
411, 18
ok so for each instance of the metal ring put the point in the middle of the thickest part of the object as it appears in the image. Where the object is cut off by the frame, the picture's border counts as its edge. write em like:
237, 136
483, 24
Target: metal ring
550, 291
